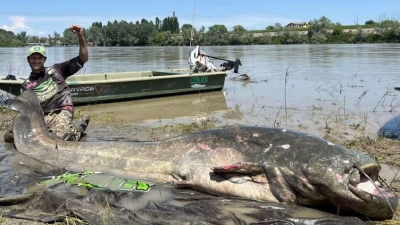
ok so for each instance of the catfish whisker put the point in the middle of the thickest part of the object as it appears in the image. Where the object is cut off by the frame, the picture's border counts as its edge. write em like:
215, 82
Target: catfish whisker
373, 183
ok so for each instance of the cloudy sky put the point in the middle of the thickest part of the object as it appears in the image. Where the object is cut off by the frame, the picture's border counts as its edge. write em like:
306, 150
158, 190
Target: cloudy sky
45, 17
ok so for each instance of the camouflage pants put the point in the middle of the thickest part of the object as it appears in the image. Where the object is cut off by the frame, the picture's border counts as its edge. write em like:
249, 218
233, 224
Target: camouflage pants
61, 125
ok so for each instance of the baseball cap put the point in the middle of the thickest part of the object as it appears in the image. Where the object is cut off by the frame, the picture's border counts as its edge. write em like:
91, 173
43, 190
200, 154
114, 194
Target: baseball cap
37, 49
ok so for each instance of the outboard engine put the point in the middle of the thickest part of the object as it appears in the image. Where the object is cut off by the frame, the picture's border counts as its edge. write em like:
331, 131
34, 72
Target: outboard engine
201, 61
228, 65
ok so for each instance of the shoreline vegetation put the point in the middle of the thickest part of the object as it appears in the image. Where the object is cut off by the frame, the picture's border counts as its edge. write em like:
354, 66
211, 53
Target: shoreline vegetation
167, 32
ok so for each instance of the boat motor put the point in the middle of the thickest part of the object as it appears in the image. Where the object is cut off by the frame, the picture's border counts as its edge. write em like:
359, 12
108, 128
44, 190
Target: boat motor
228, 65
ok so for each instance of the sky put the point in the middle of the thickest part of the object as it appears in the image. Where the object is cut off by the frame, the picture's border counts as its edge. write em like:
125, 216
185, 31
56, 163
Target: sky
44, 17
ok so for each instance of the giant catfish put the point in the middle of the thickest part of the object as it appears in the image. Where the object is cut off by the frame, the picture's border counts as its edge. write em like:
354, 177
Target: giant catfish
265, 164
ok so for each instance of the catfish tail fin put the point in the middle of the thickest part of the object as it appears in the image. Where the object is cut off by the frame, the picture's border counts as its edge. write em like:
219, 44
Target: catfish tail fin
29, 127
25, 101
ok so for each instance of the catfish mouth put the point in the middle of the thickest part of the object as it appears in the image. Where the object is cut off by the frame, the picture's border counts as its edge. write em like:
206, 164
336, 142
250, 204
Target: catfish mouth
364, 184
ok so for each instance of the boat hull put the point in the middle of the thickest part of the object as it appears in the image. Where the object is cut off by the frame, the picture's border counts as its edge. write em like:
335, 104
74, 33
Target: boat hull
106, 87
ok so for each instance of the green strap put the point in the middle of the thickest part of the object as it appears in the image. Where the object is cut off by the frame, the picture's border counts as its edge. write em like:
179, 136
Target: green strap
98, 180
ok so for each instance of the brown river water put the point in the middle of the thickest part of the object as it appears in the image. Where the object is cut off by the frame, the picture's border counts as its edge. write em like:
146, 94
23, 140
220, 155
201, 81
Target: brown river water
294, 86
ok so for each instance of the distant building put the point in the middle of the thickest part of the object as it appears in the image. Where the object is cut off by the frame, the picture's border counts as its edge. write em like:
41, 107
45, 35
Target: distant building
91, 44
297, 25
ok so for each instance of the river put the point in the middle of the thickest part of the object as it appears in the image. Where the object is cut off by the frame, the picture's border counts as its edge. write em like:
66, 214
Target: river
290, 85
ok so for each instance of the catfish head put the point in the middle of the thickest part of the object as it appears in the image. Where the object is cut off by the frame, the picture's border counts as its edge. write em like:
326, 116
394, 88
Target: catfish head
317, 171
307, 170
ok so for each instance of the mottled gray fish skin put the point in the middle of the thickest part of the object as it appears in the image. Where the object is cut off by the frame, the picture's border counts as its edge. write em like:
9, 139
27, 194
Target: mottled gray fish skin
267, 164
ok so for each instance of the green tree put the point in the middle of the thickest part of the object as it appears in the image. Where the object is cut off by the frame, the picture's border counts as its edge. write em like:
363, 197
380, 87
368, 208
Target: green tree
111, 33
239, 29
187, 33
146, 34
369, 22
167, 38
57, 38
322, 25
200, 34
317, 29
8, 39
22, 37
171, 24
318, 38
238, 36
270, 27
389, 30
337, 30
217, 35
33, 39
278, 26
95, 34
359, 36
167, 32
97, 24
289, 36
158, 23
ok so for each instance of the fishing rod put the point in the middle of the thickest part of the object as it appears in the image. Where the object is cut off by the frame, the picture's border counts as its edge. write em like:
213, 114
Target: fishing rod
191, 31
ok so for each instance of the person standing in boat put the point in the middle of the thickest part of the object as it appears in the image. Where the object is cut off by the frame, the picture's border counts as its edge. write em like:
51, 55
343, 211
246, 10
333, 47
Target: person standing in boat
53, 92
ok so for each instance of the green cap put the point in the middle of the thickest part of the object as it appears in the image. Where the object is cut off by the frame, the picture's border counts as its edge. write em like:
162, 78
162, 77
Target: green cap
37, 49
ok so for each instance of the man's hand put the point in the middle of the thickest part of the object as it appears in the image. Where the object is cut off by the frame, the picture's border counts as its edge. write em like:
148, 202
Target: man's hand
83, 52
76, 29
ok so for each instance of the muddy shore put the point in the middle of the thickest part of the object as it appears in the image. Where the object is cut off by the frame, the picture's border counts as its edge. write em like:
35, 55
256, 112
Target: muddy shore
105, 125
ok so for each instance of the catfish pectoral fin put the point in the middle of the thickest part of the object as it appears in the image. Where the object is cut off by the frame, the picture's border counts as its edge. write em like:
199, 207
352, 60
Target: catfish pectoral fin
277, 183
236, 178
240, 167
235, 172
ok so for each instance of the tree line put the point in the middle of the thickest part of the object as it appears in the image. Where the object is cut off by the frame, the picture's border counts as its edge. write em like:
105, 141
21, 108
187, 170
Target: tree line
167, 32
